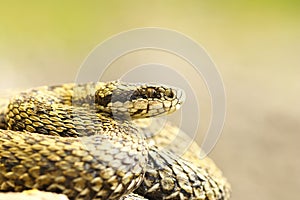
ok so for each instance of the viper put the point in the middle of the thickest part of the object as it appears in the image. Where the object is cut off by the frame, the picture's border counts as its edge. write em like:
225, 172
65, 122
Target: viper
92, 141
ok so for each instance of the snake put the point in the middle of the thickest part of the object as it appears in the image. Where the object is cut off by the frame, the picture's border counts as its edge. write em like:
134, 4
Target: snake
92, 141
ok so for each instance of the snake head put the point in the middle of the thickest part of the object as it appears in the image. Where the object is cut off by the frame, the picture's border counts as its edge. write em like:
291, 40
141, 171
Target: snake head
138, 100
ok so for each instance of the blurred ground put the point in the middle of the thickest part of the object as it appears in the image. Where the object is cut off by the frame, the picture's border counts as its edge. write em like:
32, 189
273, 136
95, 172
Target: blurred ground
255, 44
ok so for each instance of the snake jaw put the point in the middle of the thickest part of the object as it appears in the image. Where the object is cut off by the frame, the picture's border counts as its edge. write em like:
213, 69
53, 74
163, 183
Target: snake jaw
138, 100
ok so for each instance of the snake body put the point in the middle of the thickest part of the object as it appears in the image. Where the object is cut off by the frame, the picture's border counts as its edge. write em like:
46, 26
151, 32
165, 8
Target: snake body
85, 141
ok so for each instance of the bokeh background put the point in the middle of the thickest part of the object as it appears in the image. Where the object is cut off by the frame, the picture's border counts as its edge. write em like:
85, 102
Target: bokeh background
255, 44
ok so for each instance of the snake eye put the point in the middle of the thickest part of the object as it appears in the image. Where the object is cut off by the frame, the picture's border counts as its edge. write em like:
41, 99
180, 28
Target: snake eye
152, 93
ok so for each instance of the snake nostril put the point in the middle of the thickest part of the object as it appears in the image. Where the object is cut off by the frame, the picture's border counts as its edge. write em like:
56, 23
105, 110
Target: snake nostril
169, 94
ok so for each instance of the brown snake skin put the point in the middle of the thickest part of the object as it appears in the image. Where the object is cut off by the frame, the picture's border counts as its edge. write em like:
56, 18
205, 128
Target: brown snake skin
102, 154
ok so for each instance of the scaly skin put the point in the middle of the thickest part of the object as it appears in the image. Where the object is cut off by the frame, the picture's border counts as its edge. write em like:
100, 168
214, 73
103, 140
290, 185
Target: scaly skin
108, 157
184, 177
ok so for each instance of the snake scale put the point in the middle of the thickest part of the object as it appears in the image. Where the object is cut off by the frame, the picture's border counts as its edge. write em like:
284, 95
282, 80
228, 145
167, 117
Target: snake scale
90, 141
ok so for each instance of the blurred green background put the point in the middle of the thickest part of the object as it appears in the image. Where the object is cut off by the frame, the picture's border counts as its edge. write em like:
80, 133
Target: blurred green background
256, 45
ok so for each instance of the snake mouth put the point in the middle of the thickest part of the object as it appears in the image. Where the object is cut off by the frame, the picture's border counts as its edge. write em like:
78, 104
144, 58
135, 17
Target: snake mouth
138, 100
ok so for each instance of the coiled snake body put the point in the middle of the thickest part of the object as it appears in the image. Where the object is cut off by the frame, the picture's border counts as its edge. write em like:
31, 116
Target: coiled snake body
102, 152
